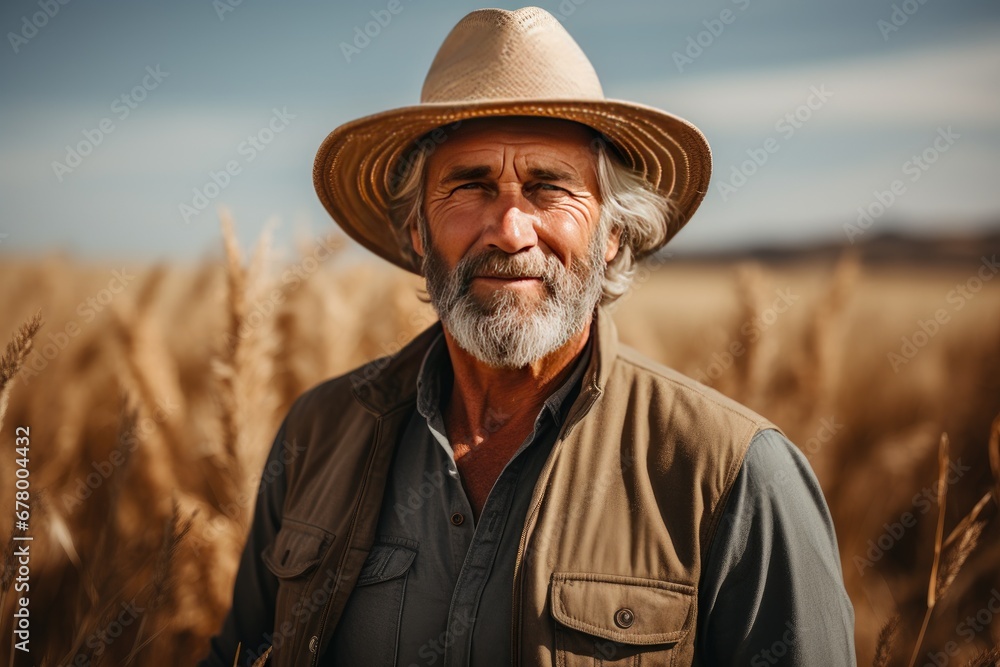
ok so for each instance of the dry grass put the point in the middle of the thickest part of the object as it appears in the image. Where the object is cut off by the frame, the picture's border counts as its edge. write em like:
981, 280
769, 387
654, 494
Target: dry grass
151, 411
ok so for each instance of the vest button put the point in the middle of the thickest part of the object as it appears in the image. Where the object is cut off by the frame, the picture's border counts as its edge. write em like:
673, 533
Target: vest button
313, 643
457, 518
624, 617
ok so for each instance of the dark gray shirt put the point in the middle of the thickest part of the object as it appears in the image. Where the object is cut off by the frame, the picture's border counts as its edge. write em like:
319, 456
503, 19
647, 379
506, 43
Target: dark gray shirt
436, 587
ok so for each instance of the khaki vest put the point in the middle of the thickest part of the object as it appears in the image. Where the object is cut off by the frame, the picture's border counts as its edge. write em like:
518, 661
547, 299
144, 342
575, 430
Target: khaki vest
621, 517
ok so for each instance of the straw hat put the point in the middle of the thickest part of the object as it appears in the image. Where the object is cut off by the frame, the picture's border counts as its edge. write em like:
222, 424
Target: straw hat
502, 63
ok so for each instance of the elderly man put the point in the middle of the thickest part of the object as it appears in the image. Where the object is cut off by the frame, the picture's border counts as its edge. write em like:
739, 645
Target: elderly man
514, 486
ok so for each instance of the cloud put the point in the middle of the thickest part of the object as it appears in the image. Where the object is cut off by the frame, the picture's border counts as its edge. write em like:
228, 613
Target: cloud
953, 83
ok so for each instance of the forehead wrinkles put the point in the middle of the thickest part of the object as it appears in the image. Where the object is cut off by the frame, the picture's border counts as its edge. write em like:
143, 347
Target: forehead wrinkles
525, 159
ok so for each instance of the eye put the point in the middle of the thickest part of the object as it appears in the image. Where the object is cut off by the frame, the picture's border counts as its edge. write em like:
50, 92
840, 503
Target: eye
548, 187
470, 186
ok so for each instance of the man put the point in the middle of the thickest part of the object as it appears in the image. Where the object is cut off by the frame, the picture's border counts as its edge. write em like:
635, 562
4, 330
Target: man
514, 486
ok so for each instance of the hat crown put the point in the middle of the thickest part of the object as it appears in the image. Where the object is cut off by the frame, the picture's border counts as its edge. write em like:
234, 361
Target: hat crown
495, 54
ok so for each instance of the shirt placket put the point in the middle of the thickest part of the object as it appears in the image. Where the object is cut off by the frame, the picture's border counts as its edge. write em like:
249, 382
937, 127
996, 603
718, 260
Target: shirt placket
483, 542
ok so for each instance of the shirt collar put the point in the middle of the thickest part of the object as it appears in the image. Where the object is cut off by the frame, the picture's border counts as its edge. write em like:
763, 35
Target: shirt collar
436, 365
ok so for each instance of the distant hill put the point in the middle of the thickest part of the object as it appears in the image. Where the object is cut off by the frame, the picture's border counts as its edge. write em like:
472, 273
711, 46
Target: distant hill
886, 248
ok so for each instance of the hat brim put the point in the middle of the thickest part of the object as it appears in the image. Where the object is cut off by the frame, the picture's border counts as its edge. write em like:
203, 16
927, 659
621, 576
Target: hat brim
353, 168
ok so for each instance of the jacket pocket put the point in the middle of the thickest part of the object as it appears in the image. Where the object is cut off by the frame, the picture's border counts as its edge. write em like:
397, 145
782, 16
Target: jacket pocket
368, 631
603, 619
293, 557
297, 549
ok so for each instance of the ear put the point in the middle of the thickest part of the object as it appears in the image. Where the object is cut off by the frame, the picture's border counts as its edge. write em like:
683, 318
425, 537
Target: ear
614, 241
418, 246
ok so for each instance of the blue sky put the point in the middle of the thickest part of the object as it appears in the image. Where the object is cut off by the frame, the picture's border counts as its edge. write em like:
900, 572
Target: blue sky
887, 81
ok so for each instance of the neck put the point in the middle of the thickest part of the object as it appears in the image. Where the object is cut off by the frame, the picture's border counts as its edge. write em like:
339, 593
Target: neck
483, 395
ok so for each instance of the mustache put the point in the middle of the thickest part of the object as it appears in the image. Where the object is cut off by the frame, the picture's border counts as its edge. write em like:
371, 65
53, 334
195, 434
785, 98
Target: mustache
497, 263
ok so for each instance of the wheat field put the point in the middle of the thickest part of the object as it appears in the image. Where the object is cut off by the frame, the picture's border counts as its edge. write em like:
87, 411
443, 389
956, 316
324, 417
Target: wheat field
152, 393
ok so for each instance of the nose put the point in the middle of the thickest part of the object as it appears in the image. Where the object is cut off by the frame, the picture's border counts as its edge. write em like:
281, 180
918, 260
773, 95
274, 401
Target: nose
513, 228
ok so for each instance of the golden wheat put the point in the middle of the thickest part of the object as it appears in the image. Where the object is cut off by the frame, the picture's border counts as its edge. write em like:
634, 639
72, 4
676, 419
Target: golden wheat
153, 415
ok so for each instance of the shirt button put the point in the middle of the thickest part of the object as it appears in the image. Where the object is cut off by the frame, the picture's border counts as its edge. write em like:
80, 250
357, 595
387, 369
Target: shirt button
313, 643
624, 617
457, 518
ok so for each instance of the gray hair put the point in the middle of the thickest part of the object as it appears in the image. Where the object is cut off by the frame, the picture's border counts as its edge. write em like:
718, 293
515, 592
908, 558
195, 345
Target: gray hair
628, 204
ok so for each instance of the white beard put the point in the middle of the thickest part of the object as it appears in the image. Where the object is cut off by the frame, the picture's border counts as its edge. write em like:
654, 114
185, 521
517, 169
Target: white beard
511, 330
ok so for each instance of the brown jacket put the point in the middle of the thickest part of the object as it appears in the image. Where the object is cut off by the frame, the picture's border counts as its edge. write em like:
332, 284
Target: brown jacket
621, 518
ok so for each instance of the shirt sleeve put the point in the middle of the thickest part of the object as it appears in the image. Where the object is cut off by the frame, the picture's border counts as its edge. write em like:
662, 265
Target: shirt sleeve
772, 590
250, 619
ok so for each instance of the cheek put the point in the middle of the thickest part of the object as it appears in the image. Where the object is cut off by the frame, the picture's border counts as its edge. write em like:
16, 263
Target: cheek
453, 222
569, 226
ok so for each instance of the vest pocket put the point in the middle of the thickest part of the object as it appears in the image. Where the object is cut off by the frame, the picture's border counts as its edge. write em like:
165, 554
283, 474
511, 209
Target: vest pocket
368, 631
606, 620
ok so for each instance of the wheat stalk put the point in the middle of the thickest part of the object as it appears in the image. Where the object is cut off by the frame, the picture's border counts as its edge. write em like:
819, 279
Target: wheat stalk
987, 658
932, 585
13, 357
886, 638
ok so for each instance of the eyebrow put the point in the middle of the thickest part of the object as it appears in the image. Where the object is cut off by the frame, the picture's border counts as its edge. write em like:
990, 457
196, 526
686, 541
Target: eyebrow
472, 172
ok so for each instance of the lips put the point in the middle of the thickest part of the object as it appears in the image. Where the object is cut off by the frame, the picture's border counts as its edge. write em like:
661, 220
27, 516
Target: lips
509, 277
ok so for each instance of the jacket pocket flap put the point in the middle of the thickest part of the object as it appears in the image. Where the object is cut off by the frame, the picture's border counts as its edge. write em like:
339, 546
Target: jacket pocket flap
628, 610
297, 548
385, 562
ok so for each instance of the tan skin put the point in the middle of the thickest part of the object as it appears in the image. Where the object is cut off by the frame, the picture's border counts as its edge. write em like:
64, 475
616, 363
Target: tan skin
534, 188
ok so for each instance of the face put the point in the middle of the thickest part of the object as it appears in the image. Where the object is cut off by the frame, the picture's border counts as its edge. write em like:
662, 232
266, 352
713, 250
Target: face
514, 259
